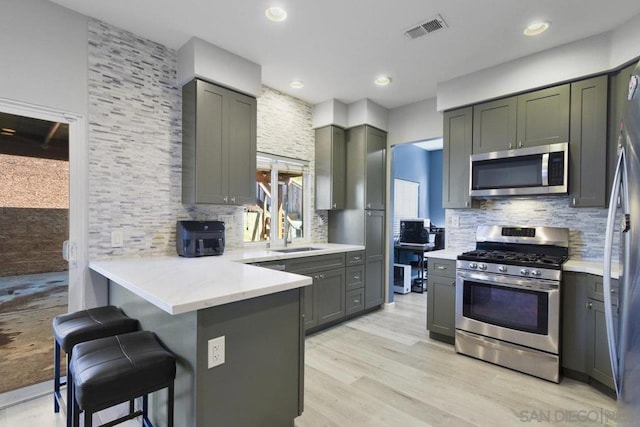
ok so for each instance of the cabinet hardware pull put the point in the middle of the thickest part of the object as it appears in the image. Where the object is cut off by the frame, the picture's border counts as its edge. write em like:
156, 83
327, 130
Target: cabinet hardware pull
466, 204
322, 276
356, 258
335, 205
573, 201
368, 205
356, 277
519, 144
357, 301
441, 267
368, 213
510, 146
453, 283
233, 200
589, 305
613, 291
225, 199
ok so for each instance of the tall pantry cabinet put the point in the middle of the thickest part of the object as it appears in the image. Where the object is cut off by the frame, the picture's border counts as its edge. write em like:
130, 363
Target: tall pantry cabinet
362, 222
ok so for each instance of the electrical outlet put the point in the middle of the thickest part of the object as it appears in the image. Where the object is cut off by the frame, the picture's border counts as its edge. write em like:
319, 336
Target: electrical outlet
215, 352
117, 239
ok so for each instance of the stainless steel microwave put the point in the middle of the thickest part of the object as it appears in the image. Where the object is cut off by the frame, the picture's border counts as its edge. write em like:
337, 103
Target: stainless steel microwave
524, 171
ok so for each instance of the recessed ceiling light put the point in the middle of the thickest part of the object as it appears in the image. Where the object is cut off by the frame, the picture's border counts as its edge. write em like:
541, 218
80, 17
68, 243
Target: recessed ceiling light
536, 28
276, 14
382, 80
296, 84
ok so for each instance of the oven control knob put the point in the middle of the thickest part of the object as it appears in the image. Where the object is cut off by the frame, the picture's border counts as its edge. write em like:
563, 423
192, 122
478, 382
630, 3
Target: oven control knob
473, 265
502, 269
482, 266
535, 273
524, 272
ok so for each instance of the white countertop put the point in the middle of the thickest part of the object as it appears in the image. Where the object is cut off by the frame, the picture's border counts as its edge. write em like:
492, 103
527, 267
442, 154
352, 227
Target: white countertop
590, 267
574, 265
180, 285
449, 254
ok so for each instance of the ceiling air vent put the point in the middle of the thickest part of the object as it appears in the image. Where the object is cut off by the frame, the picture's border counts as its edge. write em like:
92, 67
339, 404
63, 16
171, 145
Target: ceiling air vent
429, 26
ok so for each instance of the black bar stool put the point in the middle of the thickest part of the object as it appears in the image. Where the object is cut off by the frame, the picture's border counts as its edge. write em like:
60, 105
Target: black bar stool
113, 370
73, 328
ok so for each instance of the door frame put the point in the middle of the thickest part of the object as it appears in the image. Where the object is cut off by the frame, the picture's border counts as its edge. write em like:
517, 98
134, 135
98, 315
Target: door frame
77, 254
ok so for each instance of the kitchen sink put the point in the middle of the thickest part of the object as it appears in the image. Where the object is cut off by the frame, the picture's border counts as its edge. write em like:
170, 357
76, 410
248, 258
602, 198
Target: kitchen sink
300, 249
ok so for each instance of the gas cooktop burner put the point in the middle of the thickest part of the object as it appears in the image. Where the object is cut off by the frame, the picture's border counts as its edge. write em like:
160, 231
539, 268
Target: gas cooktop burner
514, 258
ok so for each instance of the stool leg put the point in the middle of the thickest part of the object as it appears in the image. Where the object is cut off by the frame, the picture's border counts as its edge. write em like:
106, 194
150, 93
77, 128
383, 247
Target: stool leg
145, 411
88, 419
70, 396
170, 405
76, 413
56, 376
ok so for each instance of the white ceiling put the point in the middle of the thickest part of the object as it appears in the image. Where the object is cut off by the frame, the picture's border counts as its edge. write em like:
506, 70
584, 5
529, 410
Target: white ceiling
338, 47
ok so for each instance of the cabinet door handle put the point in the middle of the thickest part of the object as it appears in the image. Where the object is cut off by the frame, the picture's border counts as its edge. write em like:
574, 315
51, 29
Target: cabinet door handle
441, 267
335, 205
233, 200
356, 277
368, 205
613, 291
510, 146
226, 199
356, 301
519, 144
453, 283
466, 204
368, 213
589, 305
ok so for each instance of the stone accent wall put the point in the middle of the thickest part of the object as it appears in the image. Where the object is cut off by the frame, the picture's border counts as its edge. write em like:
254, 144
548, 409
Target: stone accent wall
31, 240
284, 128
587, 226
135, 153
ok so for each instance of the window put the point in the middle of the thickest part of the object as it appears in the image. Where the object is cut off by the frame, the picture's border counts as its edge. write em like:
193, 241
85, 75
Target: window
405, 202
281, 200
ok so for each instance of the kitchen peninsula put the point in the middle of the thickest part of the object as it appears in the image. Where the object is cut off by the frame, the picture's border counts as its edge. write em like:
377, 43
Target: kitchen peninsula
260, 313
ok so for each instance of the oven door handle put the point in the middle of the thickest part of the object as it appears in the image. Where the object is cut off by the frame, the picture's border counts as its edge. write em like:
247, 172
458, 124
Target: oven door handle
540, 285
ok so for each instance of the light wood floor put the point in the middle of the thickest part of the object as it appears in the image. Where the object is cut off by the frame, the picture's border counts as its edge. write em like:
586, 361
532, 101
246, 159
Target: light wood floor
383, 370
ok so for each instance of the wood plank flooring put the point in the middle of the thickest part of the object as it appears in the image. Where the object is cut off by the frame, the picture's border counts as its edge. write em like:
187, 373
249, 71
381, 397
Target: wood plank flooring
383, 370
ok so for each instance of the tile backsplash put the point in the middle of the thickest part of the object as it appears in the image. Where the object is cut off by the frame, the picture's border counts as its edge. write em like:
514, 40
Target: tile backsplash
135, 152
586, 225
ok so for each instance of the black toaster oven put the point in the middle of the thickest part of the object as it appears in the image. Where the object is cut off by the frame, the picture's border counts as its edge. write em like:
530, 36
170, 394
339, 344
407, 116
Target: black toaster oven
199, 238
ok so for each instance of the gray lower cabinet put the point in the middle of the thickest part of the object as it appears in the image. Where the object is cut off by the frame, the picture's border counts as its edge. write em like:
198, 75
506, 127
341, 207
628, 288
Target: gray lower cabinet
441, 299
329, 295
330, 168
588, 143
218, 145
458, 130
585, 351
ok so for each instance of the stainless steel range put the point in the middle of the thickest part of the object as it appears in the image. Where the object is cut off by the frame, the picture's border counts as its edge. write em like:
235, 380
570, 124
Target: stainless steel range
508, 298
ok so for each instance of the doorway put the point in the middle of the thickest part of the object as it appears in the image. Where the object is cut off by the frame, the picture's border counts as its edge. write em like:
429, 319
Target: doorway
34, 219
35, 289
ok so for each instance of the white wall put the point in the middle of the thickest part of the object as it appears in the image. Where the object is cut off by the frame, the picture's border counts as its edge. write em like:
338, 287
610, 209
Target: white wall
585, 57
44, 55
414, 122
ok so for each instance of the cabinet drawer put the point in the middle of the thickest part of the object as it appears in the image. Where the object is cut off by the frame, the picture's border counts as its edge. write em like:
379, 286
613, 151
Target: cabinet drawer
355, 258
441, 267
355, 301
355, 277
315, 263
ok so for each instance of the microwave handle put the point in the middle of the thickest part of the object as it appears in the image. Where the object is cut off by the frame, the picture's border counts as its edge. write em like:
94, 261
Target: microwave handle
545, 170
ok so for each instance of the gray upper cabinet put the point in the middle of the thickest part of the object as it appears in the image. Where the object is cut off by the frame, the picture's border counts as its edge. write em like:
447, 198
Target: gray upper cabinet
494, 125
543, 116
588, 143
330, 168
458, 128
366, 154
618, 90
218, 145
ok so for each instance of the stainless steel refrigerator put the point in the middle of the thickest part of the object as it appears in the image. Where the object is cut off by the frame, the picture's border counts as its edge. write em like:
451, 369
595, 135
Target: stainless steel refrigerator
623, 327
